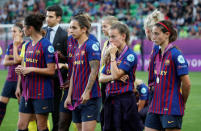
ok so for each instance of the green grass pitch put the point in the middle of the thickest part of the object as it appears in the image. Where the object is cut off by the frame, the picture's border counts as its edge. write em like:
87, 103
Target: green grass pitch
191, 120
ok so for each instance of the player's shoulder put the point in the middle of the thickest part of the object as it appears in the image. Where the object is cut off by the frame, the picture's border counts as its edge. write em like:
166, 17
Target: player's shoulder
175, 51
92, 37
130, 55
92, 43
45, 42
10, 45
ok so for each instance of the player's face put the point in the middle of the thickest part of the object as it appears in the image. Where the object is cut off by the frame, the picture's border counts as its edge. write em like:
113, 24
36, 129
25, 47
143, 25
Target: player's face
158, 36
16, 31
148, 33
105, 27
27, 30
52, 19
75, 29
116, 38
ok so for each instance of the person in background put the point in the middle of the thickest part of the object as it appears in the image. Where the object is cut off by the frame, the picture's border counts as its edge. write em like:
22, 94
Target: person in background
58, 38
149, 22
106, 23
142, 95
11, 80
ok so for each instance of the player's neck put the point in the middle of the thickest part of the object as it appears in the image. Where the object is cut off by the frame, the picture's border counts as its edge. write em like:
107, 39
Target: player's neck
82, 39
35, 38
122, 47
163, 46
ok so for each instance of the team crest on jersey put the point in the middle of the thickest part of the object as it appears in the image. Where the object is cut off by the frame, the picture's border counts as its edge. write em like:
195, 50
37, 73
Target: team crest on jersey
82, 52
143, 90
180, 59
167, 62
51, 49
95, 47
70, 55
37, 52
130, 58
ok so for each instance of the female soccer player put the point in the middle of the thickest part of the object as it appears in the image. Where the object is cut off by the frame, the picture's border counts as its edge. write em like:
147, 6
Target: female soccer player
37, 94
11, 80
84, 88
120, 109
172, 83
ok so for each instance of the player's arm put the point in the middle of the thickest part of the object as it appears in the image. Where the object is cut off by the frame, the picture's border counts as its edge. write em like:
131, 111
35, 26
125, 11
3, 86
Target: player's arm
141, 104
8, 62
115, 71
50, 70
16, 56
103, 78
70, 91
94, 65
185, 86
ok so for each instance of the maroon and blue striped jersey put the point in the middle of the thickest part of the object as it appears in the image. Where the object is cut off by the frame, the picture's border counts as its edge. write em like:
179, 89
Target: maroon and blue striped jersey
72, 45
90, 50
12, 76
167, 98
38, 86
128, 63
151, 77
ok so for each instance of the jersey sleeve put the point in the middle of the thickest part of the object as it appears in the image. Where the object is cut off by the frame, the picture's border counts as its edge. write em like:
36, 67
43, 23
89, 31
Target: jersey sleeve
180, 63
22, 51
93, 51
128, 62
103, 70
144, 92
49, 52
8, 50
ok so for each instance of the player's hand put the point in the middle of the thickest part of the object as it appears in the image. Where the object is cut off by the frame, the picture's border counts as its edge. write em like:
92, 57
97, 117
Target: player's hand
18, 69
65, 85
67, 102
18, 93
124, 78
85, 97
113, 49
26, 70
17, 40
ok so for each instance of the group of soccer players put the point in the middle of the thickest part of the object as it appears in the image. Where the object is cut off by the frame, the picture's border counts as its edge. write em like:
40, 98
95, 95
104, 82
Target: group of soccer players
93, 76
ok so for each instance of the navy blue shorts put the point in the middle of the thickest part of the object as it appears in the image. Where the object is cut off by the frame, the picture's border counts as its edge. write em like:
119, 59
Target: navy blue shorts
120, 113
9, 89
62, 109
160, 121
87, 112
36, 106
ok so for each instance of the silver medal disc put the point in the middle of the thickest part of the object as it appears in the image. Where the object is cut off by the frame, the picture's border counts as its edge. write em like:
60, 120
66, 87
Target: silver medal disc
157, 79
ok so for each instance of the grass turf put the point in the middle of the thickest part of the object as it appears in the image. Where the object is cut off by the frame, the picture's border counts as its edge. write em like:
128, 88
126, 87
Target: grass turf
191, 120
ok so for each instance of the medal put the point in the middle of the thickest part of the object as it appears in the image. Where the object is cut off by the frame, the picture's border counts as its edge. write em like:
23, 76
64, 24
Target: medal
157, 80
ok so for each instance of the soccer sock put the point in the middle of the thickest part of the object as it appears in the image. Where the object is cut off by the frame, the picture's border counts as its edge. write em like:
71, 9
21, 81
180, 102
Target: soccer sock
2, 111
32, 126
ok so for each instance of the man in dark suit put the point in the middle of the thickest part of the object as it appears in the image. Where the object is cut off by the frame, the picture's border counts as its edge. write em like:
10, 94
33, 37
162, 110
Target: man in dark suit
58, 37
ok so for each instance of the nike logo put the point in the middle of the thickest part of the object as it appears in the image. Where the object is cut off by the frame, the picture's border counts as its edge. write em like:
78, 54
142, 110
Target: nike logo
169, 122
89, 116
45, 107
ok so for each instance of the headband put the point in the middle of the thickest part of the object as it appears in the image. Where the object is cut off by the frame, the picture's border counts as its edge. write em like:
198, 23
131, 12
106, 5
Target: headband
164, 26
